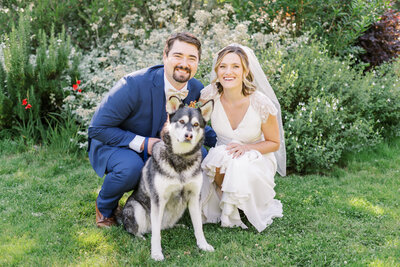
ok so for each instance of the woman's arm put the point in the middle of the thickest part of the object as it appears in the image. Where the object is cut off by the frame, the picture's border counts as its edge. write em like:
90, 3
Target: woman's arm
270, 130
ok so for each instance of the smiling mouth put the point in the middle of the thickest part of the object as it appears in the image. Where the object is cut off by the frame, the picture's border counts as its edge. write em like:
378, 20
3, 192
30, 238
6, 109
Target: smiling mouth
182, 70
229, 79
181, 74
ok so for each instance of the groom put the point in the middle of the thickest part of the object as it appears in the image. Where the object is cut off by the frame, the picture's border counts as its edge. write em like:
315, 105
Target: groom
129, 119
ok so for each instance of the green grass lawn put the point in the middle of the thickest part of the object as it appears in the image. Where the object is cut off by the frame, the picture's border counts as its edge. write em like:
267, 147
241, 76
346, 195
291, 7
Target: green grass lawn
349, 217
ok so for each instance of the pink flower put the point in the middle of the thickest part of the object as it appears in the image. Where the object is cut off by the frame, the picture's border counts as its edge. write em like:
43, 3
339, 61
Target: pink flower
28, 106
25, 102
75, 86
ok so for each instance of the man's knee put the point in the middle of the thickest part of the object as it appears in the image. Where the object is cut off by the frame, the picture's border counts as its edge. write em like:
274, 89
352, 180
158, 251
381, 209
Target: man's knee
130, 176
125, 167
130, 173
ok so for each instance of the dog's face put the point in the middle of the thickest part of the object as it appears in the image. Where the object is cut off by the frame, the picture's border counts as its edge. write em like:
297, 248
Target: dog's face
186, 125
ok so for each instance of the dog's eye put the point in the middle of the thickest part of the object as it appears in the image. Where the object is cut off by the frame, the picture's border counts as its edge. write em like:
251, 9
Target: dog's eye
196, 124
181, 121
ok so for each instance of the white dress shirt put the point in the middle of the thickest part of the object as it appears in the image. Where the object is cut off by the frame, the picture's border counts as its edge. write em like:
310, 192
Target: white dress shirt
137, 142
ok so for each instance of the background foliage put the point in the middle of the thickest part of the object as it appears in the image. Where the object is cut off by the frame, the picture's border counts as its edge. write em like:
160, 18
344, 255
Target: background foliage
87, 22
335, 105
338, 23
332, 102
381, 41
35, 75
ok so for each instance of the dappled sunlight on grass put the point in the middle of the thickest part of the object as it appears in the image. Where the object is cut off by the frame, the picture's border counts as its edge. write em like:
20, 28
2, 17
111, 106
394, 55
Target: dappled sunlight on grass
314, 199
22, 174
96, 191
383, 263
102, 247
366, 206
350, 218
14, 250
94, 238
94, 260
358, 247
393, 243
124, 198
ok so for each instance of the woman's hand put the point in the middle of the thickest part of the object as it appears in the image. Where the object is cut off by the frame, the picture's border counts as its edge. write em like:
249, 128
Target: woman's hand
236, 150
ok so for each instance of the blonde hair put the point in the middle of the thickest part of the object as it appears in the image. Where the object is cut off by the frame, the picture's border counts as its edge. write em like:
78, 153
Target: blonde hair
248, 86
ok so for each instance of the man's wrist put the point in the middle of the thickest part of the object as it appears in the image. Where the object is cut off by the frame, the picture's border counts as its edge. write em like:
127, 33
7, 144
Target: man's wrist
137, 143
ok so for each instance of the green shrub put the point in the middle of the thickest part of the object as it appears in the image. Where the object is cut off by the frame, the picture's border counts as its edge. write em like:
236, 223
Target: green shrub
339, 23
312, 135
87, 22
330, 108
63, 135
38, 78
5, 103
384, 104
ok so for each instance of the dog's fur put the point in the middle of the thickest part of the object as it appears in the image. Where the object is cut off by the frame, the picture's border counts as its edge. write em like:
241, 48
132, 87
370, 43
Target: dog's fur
171, 179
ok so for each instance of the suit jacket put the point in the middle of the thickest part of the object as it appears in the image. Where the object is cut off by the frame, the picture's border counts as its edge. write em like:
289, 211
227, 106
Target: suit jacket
135, 105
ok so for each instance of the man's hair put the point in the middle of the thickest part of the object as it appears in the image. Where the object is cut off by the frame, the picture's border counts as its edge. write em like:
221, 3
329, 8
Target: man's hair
183, 37
248, 87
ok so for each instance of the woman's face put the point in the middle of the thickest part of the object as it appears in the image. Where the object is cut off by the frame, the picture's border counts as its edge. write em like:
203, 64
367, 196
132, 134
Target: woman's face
230, 72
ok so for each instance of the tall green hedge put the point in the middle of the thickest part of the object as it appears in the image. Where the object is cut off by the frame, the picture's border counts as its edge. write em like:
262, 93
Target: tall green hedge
38, 76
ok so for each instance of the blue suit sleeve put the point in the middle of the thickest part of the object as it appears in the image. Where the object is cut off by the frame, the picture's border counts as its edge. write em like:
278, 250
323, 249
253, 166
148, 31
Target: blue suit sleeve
210, 137
113, 110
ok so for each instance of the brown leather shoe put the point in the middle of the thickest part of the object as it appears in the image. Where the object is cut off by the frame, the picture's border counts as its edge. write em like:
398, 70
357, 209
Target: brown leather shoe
102, 221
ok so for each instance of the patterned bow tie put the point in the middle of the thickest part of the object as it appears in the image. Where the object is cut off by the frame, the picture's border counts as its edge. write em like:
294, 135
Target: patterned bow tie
182, 94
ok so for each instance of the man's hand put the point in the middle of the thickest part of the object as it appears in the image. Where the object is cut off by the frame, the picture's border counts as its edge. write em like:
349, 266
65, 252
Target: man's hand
150, 144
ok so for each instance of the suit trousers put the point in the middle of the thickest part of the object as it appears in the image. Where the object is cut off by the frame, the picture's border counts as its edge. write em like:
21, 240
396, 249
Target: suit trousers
123, 173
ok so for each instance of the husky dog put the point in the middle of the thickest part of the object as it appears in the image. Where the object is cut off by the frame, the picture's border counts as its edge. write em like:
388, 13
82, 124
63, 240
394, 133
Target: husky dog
171, 178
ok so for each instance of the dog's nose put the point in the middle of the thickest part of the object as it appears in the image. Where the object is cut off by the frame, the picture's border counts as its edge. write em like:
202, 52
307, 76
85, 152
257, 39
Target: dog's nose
188, 136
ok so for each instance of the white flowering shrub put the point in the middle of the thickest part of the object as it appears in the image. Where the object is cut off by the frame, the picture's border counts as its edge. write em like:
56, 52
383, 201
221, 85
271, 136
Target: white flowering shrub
312, 133
101, 68
384, 95
329, 106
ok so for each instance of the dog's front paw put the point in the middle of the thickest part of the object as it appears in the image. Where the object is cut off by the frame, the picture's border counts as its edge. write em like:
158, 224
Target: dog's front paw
157, 256
206, 247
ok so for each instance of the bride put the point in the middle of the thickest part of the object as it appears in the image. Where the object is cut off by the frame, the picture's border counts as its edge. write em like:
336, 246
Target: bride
239, 172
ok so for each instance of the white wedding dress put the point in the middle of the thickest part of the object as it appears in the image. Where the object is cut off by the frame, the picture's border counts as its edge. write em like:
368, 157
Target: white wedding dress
249, 180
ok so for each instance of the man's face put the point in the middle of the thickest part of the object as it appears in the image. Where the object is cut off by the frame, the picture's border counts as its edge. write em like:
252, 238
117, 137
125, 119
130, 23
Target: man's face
181, 63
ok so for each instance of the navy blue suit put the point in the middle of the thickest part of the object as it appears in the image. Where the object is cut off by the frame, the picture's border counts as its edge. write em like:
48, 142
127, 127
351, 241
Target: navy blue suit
135, 105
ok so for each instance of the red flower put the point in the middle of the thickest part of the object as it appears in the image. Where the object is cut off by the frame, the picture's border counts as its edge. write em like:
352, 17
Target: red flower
25, 102
75, 86
28, 106
80, 90
78, 82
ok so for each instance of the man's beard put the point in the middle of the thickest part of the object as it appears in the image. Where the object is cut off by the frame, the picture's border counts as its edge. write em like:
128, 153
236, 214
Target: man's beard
180, 78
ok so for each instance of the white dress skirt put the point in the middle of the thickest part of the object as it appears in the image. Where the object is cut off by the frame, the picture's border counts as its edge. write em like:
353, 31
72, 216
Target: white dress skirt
248, 183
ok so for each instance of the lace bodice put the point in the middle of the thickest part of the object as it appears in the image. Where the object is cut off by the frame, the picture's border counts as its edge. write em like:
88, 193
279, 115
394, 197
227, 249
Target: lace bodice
249, 129
209, 92
259, 102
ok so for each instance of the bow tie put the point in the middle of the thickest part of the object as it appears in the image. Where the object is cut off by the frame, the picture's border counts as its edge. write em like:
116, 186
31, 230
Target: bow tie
182, 94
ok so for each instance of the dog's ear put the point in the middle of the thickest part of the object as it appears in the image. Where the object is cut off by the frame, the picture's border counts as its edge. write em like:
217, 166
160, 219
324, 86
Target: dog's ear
206, 109
173, 104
